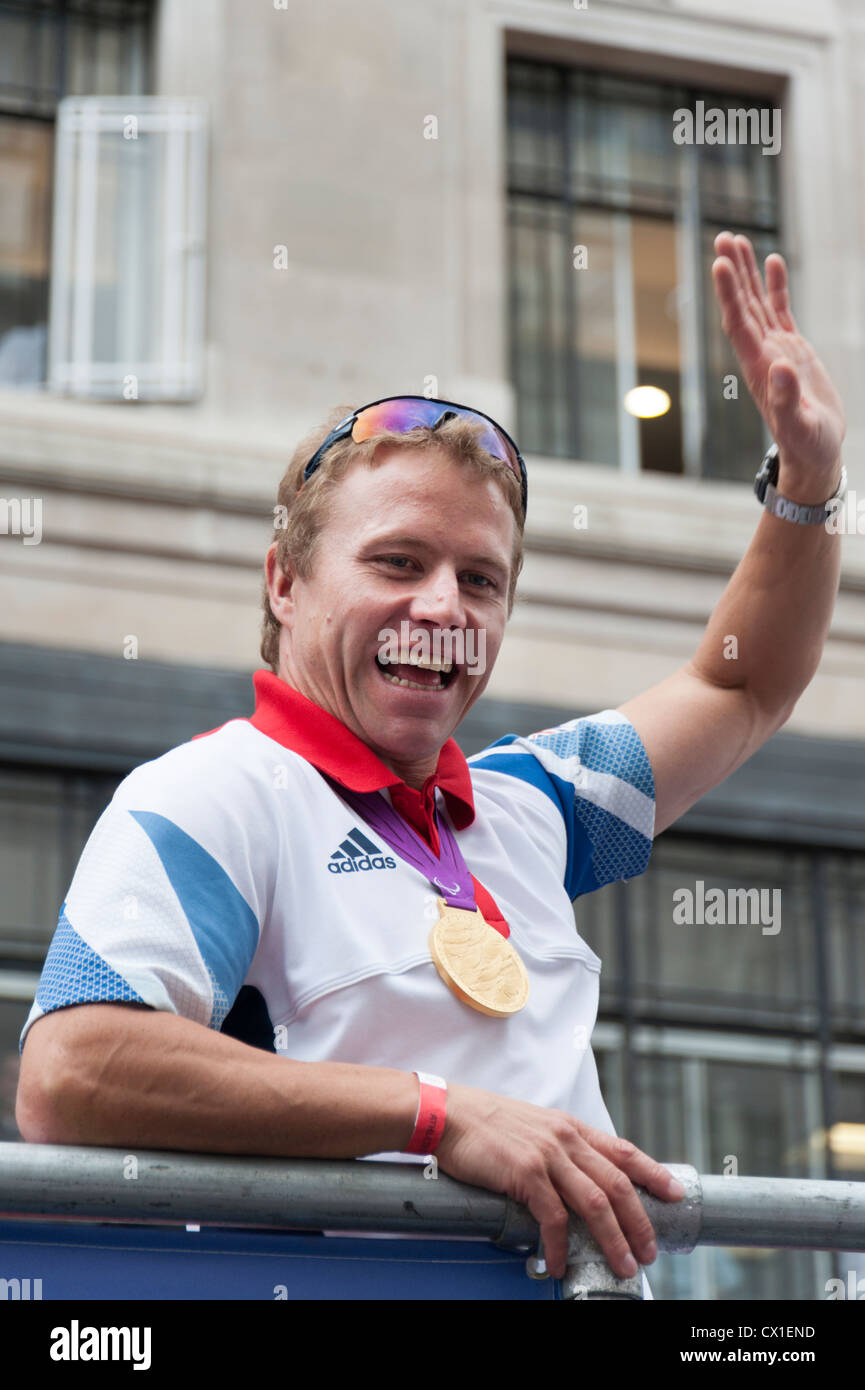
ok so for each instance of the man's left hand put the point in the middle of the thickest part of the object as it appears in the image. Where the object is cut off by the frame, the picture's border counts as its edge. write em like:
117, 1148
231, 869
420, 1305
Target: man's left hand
783, 373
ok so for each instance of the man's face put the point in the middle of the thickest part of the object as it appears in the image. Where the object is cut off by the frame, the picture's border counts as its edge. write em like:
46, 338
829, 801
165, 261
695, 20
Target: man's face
415, 544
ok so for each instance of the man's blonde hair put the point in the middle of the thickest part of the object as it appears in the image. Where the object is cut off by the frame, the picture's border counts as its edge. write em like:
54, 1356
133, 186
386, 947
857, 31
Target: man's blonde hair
301, 512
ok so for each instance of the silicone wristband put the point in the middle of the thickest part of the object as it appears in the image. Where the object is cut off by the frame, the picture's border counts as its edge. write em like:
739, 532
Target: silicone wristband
429, 1122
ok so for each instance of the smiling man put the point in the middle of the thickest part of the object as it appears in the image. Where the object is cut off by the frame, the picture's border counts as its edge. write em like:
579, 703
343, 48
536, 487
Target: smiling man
321, 931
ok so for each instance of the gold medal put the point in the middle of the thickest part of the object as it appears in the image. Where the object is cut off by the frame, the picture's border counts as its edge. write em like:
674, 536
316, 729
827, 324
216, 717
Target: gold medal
477, 963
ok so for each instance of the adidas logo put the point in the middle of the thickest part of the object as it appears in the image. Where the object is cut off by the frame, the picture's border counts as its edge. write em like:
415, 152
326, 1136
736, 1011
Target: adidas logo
357, 854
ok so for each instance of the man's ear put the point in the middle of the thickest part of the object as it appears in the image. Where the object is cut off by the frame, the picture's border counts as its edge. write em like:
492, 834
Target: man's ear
279, 585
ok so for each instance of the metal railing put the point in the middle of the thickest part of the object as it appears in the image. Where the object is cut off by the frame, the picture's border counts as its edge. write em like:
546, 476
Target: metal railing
92, 1184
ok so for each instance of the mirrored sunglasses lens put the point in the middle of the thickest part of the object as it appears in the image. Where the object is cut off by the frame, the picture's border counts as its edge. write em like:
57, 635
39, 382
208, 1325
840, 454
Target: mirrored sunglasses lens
399, 416
402, 415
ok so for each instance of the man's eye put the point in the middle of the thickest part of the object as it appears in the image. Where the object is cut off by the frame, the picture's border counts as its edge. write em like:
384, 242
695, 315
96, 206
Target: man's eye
481, 579
398, 560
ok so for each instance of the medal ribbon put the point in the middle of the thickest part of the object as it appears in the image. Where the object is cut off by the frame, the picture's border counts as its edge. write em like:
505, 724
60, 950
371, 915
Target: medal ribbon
449, 873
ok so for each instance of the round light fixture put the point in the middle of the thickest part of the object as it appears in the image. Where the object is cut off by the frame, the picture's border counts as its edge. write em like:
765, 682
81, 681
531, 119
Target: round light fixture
646, 402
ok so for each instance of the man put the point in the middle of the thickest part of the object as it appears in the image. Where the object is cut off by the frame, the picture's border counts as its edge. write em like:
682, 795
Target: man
332, 939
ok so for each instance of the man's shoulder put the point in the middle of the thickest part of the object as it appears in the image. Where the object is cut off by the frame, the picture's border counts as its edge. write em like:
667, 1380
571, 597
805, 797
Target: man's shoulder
233, 748
605, 744
227, 773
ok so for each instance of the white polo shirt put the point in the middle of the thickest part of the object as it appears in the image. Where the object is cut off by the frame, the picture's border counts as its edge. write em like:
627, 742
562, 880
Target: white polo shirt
228, 883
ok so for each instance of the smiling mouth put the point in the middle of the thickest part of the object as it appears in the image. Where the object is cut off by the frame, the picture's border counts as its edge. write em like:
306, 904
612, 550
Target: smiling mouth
412, 676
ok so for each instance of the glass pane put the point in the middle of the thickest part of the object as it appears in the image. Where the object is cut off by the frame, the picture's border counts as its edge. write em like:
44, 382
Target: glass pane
847, 1141
13, 1016
757, 1116
659, 1128
536, 160
594, 432
45, 820
620, 147
731, 967
540, 254
31, 867
659, 1116
845, 912
28, 61
749, 956
26, 156
658, 363
847, 1135
59, 49
738, 182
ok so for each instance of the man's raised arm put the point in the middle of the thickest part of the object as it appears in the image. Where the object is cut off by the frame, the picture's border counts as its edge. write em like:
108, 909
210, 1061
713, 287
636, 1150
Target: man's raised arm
764, 641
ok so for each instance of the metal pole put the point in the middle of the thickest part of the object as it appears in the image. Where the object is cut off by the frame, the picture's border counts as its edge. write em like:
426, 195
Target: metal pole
90, 1184
276, 1193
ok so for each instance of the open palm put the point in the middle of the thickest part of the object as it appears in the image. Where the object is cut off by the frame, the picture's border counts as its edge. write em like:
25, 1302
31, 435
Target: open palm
790, 385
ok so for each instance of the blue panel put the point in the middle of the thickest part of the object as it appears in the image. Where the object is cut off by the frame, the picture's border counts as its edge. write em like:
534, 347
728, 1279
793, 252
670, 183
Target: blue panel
221, 920
74, 973
613, 748
578, 863
79, 1262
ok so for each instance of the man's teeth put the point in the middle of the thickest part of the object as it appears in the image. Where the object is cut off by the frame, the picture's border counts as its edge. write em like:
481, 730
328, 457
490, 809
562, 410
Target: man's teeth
411, 685
410, 660
444, 667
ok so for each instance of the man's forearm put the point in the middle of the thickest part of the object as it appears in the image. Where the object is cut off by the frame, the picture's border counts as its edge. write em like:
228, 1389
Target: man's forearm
122, 1076
777, 606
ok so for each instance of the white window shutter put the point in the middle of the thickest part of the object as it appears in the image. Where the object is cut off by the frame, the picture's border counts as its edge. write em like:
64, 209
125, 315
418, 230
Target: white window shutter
127, 276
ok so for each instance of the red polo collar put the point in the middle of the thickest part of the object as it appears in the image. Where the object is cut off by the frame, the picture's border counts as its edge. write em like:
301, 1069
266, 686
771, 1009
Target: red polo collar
289, 718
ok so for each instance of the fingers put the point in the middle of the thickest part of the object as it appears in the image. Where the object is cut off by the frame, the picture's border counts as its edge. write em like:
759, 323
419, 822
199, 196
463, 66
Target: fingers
779, 296
739, 322
759, 304
768, 305
615, 1205
749, 290
600, 1190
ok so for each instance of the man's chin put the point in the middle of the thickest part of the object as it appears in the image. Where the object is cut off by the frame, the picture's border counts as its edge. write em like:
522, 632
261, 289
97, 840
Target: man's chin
411, 735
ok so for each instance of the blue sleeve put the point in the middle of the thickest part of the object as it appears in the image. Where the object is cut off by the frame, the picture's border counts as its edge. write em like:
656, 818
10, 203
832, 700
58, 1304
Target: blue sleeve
597, 774
153, 916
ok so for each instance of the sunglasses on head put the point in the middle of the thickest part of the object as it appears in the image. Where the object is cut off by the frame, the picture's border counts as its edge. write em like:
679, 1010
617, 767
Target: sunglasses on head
399, 414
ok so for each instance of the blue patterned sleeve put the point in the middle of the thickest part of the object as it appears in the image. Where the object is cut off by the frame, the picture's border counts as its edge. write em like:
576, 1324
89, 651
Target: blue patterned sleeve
597, 773
151, 917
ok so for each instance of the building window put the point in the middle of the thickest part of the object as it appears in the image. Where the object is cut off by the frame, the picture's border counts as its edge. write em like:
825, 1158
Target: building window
127, 291
611, 230
49, 49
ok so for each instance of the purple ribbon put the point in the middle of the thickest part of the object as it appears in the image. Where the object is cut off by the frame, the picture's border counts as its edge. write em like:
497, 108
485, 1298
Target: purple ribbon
448, 873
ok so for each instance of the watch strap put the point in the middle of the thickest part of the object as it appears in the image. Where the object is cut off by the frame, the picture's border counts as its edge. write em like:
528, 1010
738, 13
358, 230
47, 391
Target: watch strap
805, 515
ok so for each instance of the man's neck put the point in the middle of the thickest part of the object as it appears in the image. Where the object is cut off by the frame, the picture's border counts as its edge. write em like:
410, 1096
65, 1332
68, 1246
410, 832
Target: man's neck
414, 772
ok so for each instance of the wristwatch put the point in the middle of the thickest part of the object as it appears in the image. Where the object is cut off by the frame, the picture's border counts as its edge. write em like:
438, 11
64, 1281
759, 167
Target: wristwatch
764, 487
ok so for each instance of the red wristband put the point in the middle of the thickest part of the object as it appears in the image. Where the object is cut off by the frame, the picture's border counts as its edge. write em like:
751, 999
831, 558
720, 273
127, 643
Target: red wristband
429, 1122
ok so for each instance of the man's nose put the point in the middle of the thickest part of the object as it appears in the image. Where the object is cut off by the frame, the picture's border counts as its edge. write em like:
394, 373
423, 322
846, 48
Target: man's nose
438, 599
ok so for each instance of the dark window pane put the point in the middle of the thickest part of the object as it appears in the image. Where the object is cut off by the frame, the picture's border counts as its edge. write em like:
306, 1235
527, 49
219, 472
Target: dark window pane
45, 820
13, 1015
735, 970
847, 1134
26, 155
